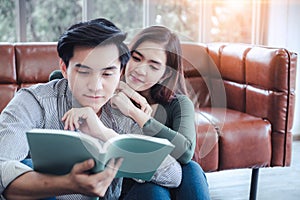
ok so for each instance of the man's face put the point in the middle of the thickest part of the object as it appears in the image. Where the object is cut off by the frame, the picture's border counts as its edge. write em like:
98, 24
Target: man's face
93, 75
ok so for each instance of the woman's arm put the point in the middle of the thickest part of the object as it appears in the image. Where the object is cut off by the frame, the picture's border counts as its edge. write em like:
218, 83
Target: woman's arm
176, 123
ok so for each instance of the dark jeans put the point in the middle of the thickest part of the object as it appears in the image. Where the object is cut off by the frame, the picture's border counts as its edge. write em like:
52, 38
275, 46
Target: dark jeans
28, 162
193, 186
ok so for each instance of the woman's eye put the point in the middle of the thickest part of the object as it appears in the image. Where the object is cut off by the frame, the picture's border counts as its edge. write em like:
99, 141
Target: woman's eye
135, 58
153, 67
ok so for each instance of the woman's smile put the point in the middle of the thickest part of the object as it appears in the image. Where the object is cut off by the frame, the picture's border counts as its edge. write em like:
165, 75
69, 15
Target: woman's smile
135, 79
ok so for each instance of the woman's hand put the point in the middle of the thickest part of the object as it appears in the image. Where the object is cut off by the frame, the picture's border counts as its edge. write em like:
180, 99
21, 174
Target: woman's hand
124, 104
123, 101
135, 96
92, 184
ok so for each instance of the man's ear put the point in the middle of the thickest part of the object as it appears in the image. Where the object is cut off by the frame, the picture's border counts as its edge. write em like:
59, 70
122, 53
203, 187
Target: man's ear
63, 68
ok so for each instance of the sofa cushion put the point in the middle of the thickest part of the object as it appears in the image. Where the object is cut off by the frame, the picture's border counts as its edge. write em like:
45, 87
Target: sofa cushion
244, 140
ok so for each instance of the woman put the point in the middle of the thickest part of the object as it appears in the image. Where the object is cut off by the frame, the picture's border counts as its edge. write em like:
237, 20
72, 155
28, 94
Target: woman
153, 81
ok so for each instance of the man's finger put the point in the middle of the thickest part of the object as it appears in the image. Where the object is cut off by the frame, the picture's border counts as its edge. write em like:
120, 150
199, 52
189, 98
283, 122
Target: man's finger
115, 163
84, 166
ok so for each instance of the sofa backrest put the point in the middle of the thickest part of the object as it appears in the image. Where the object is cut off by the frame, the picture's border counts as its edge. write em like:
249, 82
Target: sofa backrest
24, 64
8, 75
256, 80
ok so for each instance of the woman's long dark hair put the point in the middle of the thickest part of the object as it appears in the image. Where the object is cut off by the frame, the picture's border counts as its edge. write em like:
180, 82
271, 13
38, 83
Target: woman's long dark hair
163, 92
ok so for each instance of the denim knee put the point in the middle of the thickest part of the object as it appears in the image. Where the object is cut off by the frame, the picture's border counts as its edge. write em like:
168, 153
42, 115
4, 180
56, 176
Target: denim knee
147, 191
194, 184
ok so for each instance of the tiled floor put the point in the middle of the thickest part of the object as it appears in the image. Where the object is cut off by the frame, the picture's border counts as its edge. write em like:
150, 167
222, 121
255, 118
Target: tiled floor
277, 183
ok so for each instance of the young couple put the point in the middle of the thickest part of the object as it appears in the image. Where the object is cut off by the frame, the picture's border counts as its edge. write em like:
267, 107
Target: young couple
91, 93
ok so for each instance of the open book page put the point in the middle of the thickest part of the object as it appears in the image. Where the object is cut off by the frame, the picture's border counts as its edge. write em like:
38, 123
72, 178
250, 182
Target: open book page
142, 154
82, 136
56, 151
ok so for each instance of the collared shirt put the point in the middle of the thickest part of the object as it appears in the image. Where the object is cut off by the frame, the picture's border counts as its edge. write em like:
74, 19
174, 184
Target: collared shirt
43, 106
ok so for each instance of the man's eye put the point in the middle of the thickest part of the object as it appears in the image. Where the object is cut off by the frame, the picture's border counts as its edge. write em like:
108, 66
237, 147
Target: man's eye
107, 74
83, 72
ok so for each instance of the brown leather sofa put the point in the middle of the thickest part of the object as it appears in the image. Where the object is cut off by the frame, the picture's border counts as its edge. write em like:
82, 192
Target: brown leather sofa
24, 64
244, 99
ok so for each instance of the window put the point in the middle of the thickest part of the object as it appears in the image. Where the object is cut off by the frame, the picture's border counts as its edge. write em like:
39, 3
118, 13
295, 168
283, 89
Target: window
230, 21
181, 16
128, 15
47, 20
7, 22
192, 20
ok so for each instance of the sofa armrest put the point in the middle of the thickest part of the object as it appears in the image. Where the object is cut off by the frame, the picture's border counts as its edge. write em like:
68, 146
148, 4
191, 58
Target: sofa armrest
256, 81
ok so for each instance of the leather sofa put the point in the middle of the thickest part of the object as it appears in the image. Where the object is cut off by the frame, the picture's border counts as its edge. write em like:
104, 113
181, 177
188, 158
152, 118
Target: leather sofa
244, 98
24, 64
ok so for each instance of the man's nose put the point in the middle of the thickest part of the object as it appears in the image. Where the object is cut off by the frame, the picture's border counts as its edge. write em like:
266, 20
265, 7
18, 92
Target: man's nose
95, 83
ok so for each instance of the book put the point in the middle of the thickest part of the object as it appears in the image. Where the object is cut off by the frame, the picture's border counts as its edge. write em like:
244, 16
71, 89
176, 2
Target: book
56, 151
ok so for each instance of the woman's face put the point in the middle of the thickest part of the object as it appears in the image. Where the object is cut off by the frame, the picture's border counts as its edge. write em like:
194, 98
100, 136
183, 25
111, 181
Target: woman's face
146, 66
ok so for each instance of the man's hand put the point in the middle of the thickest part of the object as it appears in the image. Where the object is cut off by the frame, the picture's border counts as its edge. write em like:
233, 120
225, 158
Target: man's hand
87, 121
79, 118
34, 185
93, 184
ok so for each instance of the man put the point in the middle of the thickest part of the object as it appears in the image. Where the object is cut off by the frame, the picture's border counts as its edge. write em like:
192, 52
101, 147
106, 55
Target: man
92, 55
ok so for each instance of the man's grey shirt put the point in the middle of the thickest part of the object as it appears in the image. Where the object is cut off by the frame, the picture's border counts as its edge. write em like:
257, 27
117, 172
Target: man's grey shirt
43, 106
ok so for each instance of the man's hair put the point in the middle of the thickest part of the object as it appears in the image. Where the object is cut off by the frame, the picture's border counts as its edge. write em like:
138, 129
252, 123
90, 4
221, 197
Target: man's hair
93, 33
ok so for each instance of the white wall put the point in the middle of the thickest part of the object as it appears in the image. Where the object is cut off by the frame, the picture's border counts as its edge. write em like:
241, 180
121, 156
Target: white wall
284, 31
